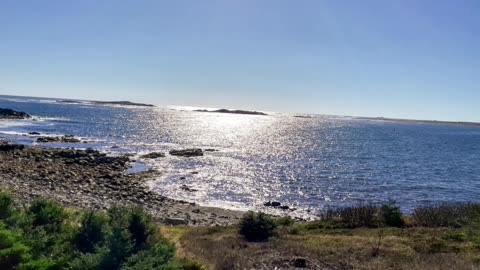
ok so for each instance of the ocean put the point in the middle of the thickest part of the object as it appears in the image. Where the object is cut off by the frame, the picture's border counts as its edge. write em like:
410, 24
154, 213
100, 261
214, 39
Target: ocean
308, 163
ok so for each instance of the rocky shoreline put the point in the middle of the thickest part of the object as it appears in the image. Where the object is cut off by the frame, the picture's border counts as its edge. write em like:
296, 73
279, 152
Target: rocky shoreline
91, 179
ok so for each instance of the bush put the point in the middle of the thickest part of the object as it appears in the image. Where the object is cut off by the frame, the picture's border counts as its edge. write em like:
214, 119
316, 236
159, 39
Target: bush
257, 227
159, 255
360, 216
45, 212
447, 215
6, 205
44, 237
140, 226
91, 233
370, 216
284, 221
392, 216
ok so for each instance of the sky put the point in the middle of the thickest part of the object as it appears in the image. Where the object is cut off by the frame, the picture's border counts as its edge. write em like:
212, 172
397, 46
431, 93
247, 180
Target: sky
417, 59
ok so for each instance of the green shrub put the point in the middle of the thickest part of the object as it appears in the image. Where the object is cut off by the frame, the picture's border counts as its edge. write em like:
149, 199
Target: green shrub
284, 221
89, 261
44, 237
12, 257
91, 233
257, 227
42, 264
392, 216
140, 226
45, 212
6, 205
158, 256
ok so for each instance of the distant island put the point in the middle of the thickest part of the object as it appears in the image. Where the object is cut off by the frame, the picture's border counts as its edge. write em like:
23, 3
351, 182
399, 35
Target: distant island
68, 101
233, 112
122, 103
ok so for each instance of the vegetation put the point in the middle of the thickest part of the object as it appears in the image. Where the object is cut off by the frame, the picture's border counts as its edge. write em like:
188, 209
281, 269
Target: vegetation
47, 236
363, 237
257, 227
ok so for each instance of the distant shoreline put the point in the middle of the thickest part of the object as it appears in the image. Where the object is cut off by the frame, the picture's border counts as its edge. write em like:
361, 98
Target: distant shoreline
413, 121
129, 103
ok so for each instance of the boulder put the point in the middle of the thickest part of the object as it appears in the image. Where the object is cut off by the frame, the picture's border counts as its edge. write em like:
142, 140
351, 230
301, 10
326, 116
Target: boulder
10, 147
187, 188
272, 204
174, 221
153, 155
12, 114
193, 152
64, 139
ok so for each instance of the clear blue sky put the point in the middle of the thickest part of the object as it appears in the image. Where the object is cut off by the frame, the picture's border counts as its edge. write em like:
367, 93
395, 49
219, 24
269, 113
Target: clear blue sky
405, 58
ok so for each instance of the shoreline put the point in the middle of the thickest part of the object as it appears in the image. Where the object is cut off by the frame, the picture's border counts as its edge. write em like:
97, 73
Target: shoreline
93, 180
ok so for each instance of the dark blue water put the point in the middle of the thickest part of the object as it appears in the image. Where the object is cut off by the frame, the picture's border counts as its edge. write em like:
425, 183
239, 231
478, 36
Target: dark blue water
307, 163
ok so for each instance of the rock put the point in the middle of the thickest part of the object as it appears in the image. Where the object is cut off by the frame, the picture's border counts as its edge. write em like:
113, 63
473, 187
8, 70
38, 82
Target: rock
210, 150
272, 204
65, 139
196, 211
153, 155
187, 188
174, 221
34, 133
194, 152
10, 147
12, 114
194, 172
284, 207
299, 263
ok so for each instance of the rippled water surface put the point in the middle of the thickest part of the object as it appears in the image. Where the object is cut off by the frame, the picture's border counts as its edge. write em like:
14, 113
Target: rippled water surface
307, 163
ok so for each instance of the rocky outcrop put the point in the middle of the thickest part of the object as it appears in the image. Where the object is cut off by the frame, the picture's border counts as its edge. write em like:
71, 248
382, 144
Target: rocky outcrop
278, 205
194, 152
5, 146
153, 155
60, 139
12, 114
95, 180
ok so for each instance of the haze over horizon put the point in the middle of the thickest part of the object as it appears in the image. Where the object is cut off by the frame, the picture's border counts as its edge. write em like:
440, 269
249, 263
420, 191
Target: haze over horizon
398, 59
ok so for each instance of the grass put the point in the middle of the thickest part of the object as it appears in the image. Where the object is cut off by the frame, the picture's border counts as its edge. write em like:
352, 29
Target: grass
46, 236
371, 237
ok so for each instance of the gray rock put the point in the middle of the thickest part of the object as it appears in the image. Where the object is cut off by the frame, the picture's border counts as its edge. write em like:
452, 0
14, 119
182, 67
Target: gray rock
194, 152
153, 155
12, 114
174, 221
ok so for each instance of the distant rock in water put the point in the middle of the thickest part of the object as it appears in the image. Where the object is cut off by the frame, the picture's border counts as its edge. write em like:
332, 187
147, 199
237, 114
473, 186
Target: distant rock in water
122, 103
194, 152
12, 114
233, 112
153, 155
68, 101
303, 116
60, 139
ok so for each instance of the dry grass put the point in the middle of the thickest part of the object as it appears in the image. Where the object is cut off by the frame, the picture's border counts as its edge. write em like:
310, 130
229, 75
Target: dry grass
381, 248
364, 237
